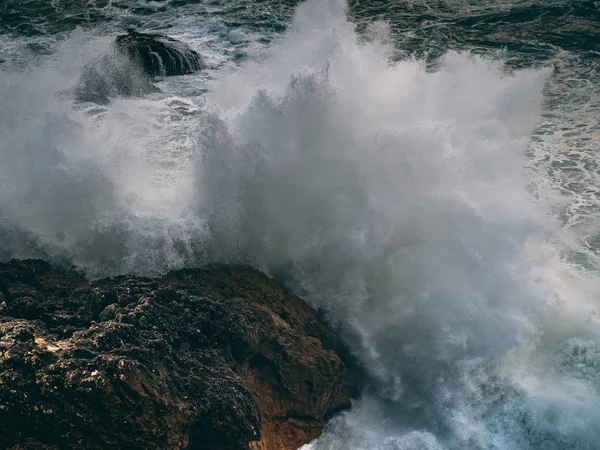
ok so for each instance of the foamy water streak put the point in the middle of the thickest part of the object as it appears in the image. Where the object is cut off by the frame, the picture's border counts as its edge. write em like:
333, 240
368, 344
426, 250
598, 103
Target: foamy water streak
392, 198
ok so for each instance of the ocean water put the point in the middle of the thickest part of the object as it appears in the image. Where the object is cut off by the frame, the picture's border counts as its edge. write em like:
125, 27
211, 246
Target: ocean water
422, 172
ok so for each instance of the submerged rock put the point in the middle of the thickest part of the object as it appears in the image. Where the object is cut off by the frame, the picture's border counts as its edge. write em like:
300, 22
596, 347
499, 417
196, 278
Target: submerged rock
197, 359
160, 55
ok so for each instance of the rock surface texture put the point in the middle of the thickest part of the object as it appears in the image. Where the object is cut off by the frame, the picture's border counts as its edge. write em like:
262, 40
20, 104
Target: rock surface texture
219, 358
160, 55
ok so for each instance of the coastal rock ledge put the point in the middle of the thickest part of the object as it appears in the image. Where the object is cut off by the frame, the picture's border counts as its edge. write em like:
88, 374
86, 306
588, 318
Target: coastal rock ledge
218, 358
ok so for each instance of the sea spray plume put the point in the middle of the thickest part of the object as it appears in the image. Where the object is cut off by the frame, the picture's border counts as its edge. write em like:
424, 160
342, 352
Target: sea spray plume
50, 188
354, 166
395, 200
110, 76
77, 187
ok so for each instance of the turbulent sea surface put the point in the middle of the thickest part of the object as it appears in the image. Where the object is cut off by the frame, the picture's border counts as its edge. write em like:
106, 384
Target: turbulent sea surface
425, 173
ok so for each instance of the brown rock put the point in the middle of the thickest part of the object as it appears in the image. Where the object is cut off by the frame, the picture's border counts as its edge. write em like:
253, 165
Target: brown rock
197, 359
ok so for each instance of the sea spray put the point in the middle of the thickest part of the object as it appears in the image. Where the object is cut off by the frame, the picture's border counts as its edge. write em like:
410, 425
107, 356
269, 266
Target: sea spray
397, 200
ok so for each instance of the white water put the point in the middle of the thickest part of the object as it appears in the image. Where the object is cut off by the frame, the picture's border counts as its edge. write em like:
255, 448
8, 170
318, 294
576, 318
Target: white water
395, 199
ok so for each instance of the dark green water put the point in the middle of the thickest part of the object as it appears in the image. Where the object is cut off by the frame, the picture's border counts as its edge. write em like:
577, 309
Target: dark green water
535, 29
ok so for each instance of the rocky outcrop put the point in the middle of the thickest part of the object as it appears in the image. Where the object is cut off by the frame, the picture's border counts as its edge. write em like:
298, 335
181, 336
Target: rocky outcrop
131, 66
160, 55
219, 358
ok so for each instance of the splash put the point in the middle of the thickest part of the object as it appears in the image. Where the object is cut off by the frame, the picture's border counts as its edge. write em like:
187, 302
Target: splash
398, 201
102, 187
393, 197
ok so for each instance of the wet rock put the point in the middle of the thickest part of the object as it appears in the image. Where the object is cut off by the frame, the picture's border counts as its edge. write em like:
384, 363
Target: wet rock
130, 68
220, 358
160, 55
